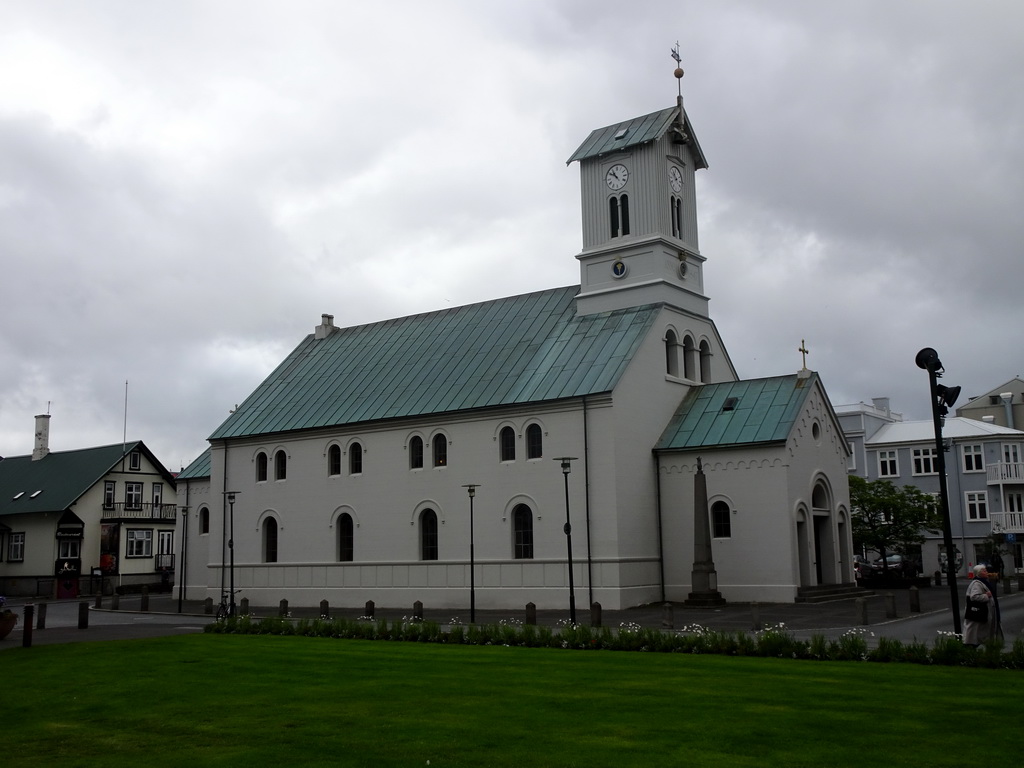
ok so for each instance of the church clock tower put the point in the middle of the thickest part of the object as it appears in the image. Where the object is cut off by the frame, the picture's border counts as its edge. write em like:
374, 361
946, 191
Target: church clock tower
640, 214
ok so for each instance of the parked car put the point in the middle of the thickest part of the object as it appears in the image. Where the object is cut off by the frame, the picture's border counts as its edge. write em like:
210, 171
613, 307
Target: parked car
895, 568
861, 567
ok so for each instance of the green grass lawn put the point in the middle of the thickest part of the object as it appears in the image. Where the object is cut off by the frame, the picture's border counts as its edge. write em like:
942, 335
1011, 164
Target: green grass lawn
294, 701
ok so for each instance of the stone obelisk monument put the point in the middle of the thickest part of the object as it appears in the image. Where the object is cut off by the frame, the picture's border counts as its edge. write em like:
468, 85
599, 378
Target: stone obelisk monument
703, 577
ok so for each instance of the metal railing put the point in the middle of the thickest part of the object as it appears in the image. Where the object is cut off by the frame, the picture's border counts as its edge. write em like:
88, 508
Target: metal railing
1005, 472
1008, 522
126, 510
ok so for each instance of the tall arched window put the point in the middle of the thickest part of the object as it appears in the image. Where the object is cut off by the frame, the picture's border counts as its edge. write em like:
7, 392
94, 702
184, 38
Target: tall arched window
677, 217
534, 442
705, 362
522, 529
355, 459
416, 452
671, 353
261, 467
334, 460
440, 451
618, 214
428, 535
204, 520
720, 521
689, 359
270, 540
507, 444
280, 465
346, 539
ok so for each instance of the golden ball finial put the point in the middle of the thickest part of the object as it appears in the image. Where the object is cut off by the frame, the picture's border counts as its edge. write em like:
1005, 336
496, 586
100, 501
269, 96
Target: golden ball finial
679, 73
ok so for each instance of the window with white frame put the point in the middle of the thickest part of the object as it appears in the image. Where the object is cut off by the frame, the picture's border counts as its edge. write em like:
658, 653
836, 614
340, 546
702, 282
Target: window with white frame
140, 542
135, 461
1011, 453
133, 496
851, 460
974, 458
924, 461
977, 505
887, 466
109, 487
69, 549
16, 548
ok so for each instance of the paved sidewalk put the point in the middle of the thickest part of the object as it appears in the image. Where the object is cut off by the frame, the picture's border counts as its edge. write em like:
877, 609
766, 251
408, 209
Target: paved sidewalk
803, 619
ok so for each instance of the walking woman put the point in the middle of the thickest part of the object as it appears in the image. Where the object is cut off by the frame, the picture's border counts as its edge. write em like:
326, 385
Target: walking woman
977, 626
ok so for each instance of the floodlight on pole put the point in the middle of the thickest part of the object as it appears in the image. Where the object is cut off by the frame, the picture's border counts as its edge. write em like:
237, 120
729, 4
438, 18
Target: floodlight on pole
471, 489
566, 468
942, 398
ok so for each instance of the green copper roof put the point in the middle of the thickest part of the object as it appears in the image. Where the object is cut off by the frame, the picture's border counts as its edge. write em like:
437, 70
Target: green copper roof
54, 482
737, 413
200, 467
521, 349
632, 133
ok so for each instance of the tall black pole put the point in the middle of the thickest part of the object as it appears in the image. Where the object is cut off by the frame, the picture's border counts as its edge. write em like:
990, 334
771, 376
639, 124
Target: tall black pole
928, 359
183, 571
471, 488
566, 468
231, 548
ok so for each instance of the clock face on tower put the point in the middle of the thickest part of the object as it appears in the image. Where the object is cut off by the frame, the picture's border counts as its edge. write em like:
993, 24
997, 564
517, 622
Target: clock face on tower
616, 177
675, 178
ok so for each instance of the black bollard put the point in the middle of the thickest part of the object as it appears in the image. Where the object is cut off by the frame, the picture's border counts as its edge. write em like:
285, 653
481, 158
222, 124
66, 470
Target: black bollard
531, 614
41, 616
83, 615
862, 610
595, 614
145, 599
26, 634
915, 599
115, 602
208, 605
668, 618
890, 606
368, 610
417, 611
245, 606
325, 609
282, 609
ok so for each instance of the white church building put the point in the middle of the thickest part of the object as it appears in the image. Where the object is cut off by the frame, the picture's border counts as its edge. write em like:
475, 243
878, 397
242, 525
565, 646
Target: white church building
351, 462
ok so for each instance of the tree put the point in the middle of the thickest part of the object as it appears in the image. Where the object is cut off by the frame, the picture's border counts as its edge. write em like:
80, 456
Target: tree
890, 518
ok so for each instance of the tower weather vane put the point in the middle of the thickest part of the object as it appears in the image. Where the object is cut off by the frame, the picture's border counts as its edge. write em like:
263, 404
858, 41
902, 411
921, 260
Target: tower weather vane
679, 68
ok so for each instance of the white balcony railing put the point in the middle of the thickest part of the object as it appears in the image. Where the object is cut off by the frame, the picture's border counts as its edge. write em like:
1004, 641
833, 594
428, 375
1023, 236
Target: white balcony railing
1005, 472
1008, 522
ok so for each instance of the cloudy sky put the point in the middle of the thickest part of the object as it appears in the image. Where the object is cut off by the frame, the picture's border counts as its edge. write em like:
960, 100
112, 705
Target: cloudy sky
186, 186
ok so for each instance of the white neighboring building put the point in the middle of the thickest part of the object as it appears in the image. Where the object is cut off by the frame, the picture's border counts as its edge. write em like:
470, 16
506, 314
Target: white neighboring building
351, 460
983, 470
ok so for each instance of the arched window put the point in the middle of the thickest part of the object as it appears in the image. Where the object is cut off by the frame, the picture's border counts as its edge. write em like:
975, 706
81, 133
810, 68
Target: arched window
522, 528
346, 539
534, 442
677, 217
355, 459
507, 444
618, 213
721, 522
705, 362
204, 520
270, 540
440, 451
334, 460
671, 353
280, 465
261, 467
428, 535
689, 359
416, 452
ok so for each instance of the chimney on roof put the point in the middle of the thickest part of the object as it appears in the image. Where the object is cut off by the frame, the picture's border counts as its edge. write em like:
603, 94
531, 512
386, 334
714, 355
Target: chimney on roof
881, 403
323, 330
42, 437
1007, 398
989, 419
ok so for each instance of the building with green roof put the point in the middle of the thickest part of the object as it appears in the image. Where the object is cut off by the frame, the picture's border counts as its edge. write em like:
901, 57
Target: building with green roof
76, 521
459, 453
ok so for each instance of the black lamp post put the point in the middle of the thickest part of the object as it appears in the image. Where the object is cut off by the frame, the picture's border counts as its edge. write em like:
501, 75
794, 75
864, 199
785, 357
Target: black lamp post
183, 572
471, 488
942, 398
231, 548
566, 468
